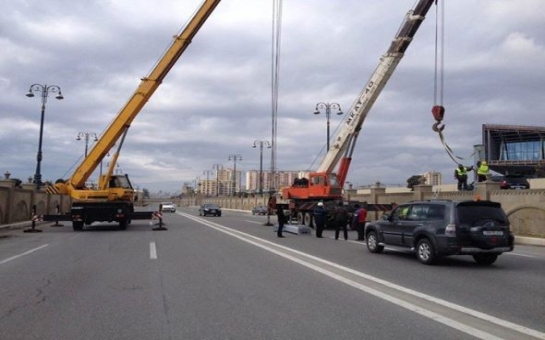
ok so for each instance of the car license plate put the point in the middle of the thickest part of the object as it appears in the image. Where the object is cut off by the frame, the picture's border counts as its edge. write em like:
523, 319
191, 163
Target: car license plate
492, 232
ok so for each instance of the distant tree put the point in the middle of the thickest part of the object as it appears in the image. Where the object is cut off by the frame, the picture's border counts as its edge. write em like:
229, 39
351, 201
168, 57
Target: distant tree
413, 181
146, 193
18, 182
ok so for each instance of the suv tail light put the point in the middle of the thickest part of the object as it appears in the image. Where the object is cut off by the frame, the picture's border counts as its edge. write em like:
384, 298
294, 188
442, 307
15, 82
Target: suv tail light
450, 230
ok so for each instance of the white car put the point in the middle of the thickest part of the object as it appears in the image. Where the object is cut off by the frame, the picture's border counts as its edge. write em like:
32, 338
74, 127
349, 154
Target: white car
168, 206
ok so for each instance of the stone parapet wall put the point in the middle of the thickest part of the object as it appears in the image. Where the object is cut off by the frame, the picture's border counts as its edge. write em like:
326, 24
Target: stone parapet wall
525, 208
16, 203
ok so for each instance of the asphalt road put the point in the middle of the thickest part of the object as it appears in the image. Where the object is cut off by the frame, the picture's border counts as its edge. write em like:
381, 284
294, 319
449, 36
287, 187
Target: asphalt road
230, 277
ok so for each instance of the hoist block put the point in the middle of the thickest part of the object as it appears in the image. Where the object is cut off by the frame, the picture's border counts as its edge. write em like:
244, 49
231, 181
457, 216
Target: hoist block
438, 112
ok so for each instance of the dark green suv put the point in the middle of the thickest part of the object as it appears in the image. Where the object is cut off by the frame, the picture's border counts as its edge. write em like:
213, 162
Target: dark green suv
438, 228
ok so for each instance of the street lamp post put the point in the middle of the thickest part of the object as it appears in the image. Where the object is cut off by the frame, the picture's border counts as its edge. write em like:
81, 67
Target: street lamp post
234, 158
328, 107
86, 136
217, 167
261, 143
44, 89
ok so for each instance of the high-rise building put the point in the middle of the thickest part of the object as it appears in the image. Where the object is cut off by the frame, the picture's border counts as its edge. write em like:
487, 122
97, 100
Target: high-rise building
433, 178
283, 179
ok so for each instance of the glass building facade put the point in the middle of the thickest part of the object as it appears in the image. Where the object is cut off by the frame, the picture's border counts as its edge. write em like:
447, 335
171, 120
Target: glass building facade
522, 151
511, 149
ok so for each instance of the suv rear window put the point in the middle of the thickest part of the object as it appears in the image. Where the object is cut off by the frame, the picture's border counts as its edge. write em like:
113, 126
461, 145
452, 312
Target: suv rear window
469, 214
427, 212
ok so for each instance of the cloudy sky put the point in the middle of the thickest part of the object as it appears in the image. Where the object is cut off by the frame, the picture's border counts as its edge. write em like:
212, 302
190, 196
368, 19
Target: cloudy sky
216, 101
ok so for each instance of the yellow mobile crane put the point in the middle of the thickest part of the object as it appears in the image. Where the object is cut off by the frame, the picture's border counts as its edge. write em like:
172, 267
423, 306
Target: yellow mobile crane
113, 200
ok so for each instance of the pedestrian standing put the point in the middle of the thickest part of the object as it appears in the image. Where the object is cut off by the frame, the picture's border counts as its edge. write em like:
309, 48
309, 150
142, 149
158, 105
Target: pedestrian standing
482, 171
320, 216
281, 220
341, 220
360, 216
354, 219
460, 173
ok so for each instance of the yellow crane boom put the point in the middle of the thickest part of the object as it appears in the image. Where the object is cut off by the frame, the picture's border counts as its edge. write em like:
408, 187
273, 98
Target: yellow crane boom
140, 97
113, 200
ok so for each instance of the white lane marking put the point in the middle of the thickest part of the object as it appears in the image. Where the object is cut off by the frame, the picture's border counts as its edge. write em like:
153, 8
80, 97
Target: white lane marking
523, 255
152, 251
23, 254
254, 222
472, 331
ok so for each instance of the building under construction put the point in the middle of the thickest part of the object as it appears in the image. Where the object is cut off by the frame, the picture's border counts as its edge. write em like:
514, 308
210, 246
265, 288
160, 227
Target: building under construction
513, 149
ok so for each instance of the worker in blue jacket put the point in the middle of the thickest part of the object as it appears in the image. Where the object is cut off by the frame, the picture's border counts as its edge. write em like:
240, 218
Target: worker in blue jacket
320, 217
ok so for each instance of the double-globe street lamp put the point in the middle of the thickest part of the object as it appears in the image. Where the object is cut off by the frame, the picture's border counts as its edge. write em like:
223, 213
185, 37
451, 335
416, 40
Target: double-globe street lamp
328, 107
86, 136
44, 89
268, 145
234, 158
217, 167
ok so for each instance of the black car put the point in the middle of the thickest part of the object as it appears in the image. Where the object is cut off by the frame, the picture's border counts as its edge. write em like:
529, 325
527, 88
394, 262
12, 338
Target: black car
438, 228
210, 209
512, 181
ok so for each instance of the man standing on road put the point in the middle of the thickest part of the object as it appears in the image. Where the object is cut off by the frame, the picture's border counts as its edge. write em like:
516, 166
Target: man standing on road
281, 220
320, 216
360, 216
341, 220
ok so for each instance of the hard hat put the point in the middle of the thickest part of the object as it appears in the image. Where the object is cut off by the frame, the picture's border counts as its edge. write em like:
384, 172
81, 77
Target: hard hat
320, 204
483, 162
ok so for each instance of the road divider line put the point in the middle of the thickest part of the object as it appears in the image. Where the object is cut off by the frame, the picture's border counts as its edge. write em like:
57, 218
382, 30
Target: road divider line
523, 255
254, 222
152, 251
467, 329
23, 254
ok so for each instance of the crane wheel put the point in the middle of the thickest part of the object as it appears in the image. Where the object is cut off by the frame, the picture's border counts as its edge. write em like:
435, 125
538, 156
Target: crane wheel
300, 218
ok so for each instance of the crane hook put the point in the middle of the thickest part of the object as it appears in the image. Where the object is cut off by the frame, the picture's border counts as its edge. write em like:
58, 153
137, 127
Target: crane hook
438, 128
438, 112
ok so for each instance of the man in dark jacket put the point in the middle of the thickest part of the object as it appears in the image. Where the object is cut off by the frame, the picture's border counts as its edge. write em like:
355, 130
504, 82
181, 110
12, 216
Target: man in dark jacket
341, 220
281, 220
320, 216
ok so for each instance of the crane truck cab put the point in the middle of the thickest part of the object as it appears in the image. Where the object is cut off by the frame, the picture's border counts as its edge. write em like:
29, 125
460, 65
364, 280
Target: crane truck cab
319, 186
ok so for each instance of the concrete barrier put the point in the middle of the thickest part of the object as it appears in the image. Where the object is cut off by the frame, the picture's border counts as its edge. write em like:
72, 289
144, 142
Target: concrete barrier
296, 229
